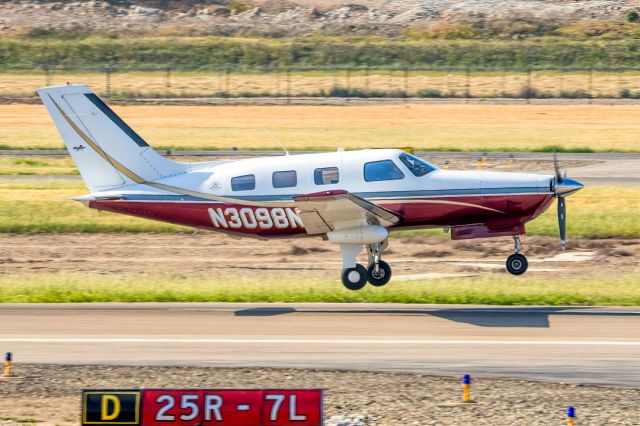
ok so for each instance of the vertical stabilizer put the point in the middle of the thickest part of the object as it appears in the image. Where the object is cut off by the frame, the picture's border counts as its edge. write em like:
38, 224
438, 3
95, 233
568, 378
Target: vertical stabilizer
107, 152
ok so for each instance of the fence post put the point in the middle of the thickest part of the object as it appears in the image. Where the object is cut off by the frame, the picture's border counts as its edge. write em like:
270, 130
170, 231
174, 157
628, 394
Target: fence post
529, 89
406, 82
467, 84
366, 79
288, 85
590, 86
168, 80
107, 70
47, 74
227, 82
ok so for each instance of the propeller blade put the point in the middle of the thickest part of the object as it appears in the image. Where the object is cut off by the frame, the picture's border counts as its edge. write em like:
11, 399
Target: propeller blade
562, 221
556, 167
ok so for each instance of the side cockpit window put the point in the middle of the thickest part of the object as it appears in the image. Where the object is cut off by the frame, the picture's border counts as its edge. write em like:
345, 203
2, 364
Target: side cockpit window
382, 170
243, 183
416, 165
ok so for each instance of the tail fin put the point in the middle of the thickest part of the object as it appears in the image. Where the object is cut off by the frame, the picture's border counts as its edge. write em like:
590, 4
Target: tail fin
108, 153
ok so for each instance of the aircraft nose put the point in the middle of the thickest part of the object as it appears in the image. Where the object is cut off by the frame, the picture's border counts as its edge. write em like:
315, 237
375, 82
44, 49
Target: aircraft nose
566, 187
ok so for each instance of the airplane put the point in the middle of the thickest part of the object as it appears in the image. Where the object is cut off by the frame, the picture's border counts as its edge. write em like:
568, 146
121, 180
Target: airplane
349, 198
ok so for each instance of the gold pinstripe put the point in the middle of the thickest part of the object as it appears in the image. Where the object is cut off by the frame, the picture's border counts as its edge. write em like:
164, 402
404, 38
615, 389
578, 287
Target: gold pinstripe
457, 203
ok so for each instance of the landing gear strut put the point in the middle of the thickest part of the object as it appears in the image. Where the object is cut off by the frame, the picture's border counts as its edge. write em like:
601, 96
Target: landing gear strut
516, 263
379, 271
355, 276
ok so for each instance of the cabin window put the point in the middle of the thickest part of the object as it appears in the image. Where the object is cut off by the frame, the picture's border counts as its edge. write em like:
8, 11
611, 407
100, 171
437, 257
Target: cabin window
326, 176
285, 179
382, 170
416, 165
243, 183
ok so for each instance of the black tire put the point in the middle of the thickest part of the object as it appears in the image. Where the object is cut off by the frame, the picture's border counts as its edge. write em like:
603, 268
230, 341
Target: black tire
383, 276
517, 264
352, 281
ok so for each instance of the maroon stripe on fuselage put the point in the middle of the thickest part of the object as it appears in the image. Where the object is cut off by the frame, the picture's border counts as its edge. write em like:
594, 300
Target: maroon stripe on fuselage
497, 211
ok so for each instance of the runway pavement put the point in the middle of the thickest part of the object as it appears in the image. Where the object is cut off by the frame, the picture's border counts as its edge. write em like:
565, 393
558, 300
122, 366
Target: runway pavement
587, 345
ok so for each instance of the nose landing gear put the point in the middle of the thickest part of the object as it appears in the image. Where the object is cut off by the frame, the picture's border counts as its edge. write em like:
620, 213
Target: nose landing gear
517, 263
379, 271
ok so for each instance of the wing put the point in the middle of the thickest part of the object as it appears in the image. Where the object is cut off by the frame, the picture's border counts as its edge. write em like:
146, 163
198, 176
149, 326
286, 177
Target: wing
327, 211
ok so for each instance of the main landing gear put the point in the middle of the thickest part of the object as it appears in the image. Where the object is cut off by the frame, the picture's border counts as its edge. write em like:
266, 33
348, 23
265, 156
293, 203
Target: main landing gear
516, 263
355, 276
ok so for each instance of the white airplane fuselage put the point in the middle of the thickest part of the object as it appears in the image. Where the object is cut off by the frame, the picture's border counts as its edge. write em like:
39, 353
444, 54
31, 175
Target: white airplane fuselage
488, 203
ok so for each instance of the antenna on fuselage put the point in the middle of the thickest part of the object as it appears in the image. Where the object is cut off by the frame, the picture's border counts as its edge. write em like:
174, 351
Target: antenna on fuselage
284, 149
272, 135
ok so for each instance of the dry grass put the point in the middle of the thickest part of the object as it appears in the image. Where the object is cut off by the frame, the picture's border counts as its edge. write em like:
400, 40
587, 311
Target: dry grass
431, 126
485, 84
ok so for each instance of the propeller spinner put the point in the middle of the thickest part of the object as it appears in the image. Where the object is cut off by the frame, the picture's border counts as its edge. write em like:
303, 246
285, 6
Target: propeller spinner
561, 188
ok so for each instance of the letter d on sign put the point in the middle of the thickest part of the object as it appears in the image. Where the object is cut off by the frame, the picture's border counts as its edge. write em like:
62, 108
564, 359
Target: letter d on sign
111, 407
106, 415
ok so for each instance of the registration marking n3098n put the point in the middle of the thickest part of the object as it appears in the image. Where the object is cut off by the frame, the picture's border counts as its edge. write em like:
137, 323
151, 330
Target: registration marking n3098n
250, 218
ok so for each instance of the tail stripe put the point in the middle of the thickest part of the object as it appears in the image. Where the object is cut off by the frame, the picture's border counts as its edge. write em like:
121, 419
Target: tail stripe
117, 120
128, 173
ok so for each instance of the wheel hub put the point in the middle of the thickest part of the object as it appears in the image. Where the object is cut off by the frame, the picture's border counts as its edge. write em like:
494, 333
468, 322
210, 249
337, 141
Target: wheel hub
354, 276
378, 274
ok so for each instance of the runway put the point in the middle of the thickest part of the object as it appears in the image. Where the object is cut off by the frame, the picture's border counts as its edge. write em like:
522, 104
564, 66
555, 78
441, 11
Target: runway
584, 345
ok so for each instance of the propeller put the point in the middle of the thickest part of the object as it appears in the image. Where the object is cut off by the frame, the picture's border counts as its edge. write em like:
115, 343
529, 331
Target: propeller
556, 168
562, 222
562, 188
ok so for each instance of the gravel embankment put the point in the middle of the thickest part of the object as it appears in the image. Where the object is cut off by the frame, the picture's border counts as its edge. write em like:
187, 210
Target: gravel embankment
294, 16
51, 394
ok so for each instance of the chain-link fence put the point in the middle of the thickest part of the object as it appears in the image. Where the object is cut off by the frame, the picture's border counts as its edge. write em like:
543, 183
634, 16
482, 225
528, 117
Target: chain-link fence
342, 82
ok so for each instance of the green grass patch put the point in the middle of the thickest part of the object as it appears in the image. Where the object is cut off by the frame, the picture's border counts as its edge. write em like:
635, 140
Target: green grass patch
198, 53
499, 289
594, 212
40, 165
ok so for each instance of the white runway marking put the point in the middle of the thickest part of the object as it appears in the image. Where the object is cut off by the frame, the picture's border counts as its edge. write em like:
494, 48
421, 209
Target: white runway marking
324, 341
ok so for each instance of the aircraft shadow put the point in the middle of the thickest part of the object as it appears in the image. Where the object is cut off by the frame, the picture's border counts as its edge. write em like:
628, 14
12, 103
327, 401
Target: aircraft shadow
480, 317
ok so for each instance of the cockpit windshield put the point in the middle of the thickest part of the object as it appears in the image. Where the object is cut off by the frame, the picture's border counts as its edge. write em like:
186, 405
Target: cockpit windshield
416, 165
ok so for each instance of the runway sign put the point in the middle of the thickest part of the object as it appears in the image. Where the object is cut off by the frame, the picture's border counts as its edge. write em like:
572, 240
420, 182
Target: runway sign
111, 407
205, 407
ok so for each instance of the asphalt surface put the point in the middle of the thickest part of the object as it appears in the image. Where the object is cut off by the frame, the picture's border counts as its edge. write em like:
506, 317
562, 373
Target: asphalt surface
584, 345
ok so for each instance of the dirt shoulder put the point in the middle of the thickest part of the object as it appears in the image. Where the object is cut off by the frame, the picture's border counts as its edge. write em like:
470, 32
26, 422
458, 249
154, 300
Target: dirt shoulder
207, 254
